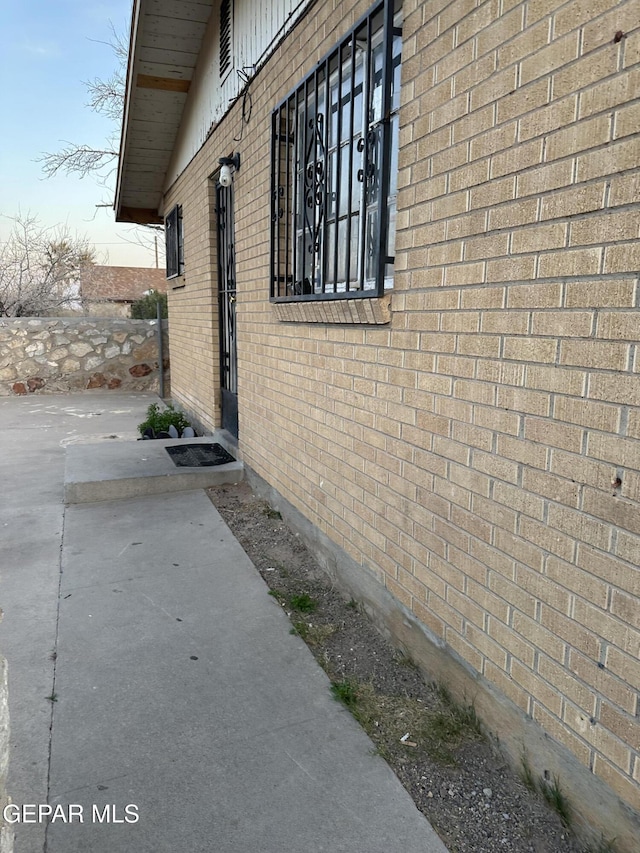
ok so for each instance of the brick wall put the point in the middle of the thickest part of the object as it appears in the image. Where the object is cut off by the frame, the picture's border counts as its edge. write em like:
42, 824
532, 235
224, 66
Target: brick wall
194, 339
479, 455
519, 270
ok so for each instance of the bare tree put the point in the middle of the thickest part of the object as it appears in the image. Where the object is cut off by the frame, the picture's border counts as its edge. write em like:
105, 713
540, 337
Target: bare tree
106, 97
41, 269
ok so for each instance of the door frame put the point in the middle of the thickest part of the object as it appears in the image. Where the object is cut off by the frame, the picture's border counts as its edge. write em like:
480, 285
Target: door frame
225, 225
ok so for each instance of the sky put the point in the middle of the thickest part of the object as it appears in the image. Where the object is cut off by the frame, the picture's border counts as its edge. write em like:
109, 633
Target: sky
47, 50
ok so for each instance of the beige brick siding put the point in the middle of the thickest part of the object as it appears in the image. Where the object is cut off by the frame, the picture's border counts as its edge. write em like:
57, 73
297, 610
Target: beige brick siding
518, 135
194, 337
480, 453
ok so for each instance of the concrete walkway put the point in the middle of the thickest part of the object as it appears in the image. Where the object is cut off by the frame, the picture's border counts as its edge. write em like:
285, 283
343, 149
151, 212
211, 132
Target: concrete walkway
186, 716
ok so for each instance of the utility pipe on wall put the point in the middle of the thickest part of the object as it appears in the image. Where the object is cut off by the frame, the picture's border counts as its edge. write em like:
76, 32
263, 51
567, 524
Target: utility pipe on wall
160, 351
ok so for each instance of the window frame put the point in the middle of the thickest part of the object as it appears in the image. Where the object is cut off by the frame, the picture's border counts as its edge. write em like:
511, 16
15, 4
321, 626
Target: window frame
174, 242
312, 233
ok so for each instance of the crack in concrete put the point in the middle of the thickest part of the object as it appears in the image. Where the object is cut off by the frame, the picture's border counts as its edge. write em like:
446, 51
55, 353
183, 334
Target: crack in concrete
54, 656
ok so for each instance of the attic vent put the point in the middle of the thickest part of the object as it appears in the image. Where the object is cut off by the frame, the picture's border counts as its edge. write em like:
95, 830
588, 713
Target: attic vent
225, 37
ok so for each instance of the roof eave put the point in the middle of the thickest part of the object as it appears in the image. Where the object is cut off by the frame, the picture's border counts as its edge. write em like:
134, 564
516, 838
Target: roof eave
157, 85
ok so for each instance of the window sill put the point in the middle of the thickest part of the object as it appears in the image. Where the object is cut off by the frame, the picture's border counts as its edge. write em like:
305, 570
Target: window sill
372, 312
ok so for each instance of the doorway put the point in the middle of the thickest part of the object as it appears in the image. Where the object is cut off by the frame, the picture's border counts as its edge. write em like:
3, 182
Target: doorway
227, 309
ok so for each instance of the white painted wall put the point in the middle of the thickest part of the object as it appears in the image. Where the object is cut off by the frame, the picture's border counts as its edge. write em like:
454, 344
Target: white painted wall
257, 27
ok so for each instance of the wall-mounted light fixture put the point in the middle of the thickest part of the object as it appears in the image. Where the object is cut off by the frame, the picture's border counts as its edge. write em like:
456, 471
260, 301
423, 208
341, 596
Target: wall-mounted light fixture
229, 166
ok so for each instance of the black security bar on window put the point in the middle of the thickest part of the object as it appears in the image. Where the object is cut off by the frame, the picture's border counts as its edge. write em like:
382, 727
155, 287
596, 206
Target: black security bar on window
174, 242
334, 169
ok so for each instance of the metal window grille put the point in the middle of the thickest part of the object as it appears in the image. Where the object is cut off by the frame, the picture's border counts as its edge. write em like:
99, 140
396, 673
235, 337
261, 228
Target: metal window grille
225, 37
174, 242
334, 169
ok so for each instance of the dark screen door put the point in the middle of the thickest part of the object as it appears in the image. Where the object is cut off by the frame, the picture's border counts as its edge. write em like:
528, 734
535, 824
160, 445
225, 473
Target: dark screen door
227, 309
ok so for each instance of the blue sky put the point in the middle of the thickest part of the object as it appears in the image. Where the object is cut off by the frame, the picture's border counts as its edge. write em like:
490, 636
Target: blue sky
47, 50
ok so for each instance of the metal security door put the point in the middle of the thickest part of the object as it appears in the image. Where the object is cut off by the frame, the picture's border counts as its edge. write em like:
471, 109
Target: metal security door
227, 309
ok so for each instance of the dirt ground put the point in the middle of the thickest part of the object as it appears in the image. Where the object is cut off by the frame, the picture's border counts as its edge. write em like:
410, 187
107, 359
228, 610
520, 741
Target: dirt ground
436, 747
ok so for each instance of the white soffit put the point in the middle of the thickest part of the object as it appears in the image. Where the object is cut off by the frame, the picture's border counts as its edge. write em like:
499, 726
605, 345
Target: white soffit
166, 37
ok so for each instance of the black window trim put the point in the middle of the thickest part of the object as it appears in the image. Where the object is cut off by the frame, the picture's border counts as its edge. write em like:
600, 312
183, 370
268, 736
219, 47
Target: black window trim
174, 242
286, 190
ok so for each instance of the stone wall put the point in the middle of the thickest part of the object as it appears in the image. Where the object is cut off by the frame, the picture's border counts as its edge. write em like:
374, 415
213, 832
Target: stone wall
46, 354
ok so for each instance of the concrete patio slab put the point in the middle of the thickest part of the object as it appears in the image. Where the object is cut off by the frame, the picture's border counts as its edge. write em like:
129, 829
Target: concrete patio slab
176, 685
111, 470
181, 691
35, 432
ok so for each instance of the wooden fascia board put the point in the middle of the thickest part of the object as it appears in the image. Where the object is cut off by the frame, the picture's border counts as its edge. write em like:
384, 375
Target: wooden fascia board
139, 216
135, 18
165, 84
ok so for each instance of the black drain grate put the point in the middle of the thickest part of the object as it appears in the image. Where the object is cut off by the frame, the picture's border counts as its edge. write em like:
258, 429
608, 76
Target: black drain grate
198, 455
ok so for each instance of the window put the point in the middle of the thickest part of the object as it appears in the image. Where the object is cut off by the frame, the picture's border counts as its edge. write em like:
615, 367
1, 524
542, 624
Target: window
225, 37
334, 169
174, 240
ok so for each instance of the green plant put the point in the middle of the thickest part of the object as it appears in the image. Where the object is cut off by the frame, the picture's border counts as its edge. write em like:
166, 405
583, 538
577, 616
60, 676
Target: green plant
53, 697
406, 660
146, 308
444, 694
555, 797
345, 691
444, 729
526, 773
463, 717
303, 603
159, 420
313, 635
301, 629
438, 731
271, 513
325, 662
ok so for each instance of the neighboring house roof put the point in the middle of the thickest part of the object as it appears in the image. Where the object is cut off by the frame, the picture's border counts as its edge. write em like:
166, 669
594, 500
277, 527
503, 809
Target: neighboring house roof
120, 284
